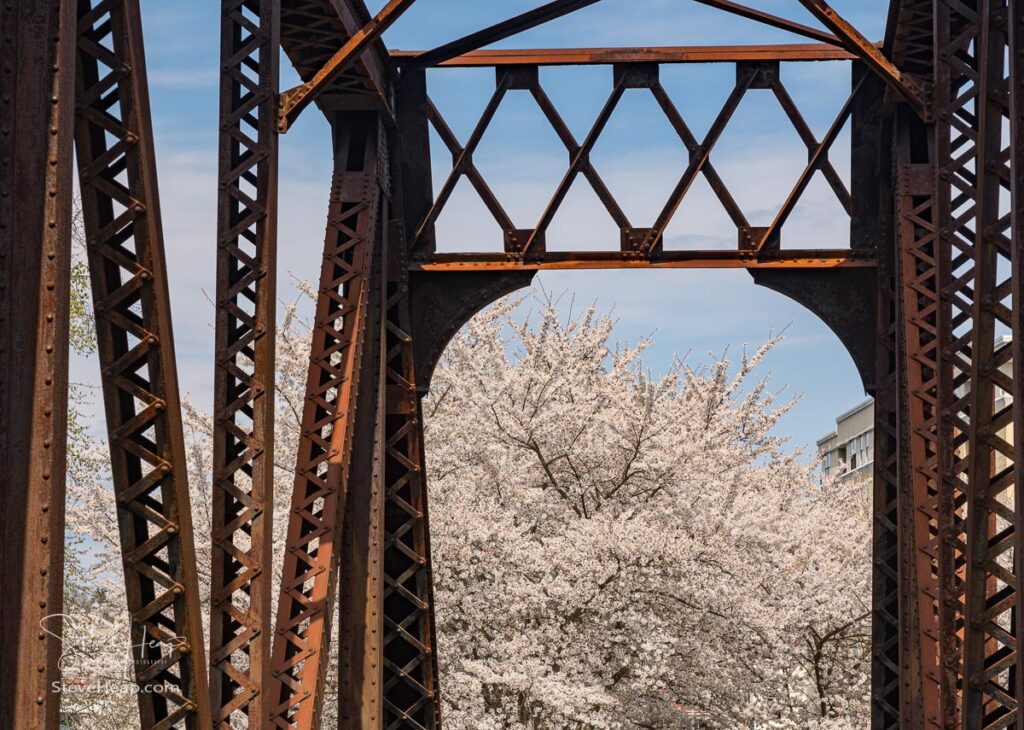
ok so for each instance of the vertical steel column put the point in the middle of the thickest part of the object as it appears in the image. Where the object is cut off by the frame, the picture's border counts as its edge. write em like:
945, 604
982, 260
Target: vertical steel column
1015, 24
360, 610
37, 45
956, 89
920, 309
886, 642
991, 646
243, 452
410, 659
133, 320
327, 441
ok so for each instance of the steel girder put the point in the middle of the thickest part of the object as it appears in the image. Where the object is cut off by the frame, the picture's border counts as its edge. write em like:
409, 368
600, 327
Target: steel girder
410, 658
37, 42
327, 438
117, 172
950, 402
243, 426
919, 266
992, 644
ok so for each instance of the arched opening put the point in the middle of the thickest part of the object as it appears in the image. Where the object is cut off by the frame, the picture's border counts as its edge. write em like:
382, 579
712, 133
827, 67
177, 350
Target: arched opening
527, 555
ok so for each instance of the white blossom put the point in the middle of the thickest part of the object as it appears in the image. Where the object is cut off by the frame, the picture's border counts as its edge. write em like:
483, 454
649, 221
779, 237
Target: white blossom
611, 549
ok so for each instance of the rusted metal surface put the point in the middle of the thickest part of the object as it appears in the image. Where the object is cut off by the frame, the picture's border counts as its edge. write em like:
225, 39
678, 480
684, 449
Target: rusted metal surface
689, 259
243, 425
991, 646
920, 313
906, 84
639, 245
500, 31
1015, 26
935, 260
361, 579
117, 171
665, 54
410, 682
309, 576
295, 100
955, 79
312, 31
886, 644
37, 46
770, 20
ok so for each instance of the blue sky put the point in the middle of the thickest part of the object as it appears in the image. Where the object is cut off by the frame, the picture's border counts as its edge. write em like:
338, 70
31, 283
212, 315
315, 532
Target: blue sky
699, 312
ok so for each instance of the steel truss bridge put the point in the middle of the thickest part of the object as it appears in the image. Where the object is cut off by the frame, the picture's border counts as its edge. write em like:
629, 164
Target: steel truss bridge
932, 277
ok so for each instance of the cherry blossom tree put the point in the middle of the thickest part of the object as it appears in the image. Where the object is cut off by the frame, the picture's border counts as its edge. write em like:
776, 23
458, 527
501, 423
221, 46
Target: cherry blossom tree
611, 548
615, 549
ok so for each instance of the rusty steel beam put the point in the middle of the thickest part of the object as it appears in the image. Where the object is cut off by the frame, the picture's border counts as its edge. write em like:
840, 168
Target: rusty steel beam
499, 31
695, 259
313, 30
37, 46
991, 646
906, 84
529, 244
309, 576
117, 171
817, 159
770, 20
410, 681
886, 602
294, 100
664, 54
361, 578
243, 424
1015, 26
920, 311
955, 62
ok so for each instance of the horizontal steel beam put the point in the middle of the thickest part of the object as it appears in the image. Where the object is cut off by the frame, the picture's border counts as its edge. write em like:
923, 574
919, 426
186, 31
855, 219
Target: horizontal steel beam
706, 259
664, 54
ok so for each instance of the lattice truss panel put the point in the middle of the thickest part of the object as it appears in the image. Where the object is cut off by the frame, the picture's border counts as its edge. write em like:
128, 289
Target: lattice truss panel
639, 241
310, 571
933, 546
129, 283
886, 659
410, 659
956, 149
982, 238
312, 31
243, 458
